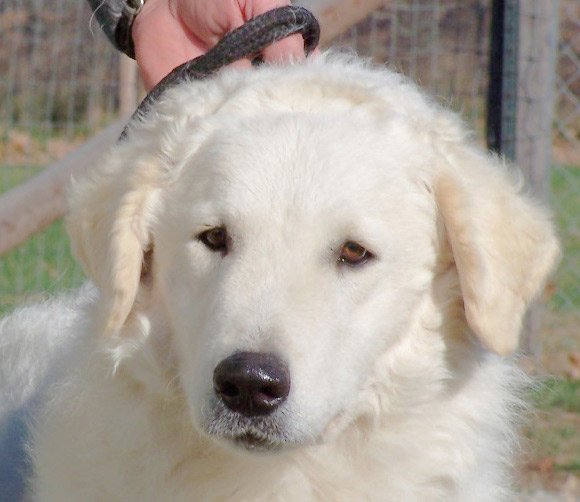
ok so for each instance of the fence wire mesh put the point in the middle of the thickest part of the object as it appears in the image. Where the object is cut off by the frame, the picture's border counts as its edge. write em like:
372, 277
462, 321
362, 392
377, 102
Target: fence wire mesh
441, 44
565, 189
59, 84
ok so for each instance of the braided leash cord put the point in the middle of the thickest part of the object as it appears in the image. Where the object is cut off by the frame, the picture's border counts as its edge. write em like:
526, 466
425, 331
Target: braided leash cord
245, 42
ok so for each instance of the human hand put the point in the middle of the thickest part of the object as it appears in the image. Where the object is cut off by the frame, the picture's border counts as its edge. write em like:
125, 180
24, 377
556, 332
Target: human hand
167, 33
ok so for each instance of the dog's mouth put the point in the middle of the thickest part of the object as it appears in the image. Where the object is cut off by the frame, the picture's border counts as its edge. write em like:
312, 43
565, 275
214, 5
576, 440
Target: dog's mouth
253, 442
264, 434
253, 434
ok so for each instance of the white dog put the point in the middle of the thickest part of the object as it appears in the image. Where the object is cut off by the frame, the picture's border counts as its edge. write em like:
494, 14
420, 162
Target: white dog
308, 279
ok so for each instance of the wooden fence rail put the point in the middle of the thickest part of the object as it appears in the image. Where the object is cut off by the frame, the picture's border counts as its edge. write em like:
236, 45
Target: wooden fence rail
30, 207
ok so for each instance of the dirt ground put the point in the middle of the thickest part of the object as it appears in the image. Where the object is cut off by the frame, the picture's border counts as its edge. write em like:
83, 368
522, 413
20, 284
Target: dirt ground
21, 148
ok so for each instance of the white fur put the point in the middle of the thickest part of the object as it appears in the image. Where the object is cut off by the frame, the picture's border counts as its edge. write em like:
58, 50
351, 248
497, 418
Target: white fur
399, 387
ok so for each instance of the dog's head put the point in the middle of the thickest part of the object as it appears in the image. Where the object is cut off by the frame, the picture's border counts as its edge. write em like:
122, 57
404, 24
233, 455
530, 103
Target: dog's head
291, 226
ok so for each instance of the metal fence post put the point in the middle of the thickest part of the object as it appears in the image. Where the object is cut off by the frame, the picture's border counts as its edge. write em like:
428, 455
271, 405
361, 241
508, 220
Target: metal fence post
503, 78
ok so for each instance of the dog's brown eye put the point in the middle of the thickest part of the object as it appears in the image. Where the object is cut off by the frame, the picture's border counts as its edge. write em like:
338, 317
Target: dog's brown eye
354, 254
215, 239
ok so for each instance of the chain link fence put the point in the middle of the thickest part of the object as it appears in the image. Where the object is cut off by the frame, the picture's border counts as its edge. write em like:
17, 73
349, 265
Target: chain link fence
58, 85
565, 189
443, 45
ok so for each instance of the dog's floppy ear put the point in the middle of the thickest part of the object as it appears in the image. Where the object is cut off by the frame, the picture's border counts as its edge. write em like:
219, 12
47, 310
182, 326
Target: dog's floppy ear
108, 224
503, 244
111, 211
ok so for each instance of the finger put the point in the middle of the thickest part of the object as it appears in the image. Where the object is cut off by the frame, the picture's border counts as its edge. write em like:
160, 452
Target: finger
210, 20
161, 43
241, 64
286, 50
253, 8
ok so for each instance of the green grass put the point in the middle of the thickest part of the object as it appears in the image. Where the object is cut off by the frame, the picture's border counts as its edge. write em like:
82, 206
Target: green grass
554, 432
13, 175
563, 394
572, 467
565, 200
23, 273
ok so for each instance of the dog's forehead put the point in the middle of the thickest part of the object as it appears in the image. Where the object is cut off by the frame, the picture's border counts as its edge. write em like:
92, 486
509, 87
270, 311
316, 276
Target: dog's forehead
328, 159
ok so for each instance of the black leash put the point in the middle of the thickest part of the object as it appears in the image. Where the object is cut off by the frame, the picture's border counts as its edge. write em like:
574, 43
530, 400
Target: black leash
247, 41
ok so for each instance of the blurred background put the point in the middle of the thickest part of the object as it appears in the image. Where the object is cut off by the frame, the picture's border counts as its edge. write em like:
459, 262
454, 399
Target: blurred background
510, 67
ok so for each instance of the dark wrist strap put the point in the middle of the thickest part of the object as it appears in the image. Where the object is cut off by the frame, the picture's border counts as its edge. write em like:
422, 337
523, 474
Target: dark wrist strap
123, 35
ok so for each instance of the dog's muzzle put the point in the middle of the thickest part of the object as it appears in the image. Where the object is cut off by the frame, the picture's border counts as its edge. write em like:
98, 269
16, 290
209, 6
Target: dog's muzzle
250, 389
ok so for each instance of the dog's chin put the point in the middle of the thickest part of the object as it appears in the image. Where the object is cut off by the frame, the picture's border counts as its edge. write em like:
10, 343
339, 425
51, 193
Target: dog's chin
274, 433
268, 434
253, 443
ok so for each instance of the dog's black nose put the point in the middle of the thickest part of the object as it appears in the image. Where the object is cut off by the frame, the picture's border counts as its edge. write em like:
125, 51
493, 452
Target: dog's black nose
252, 383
